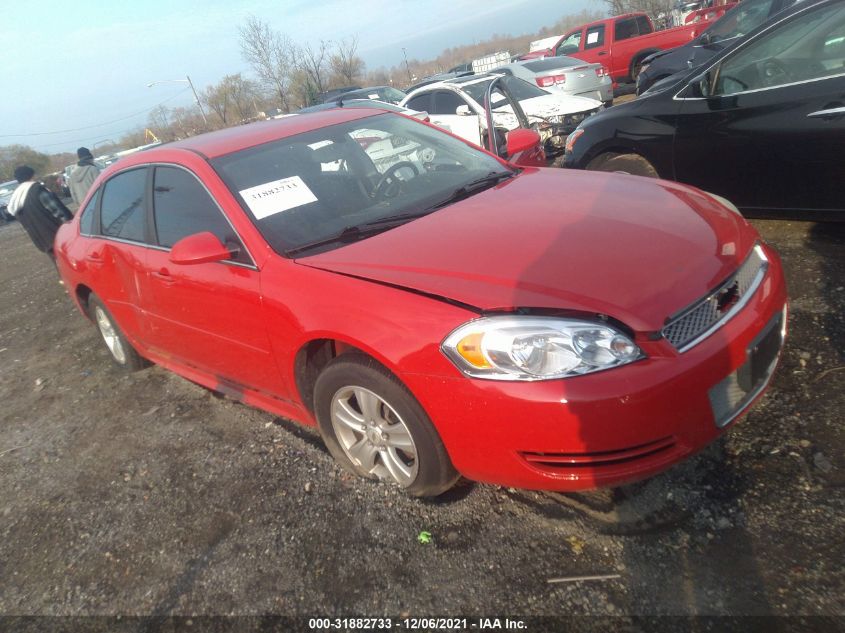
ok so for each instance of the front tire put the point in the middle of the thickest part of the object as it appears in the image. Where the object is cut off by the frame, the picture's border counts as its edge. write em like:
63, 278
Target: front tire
376, 429
121, 350
632, 164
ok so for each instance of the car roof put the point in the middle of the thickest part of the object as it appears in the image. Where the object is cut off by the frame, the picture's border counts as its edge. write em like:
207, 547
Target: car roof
233, 139
458, 82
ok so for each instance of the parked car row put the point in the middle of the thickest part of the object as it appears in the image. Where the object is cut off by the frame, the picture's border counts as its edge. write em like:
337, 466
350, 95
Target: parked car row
620, 43
762, 123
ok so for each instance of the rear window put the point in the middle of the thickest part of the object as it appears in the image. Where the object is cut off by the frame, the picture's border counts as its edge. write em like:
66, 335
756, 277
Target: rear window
122, 211
86, 220
552, 63
625, 29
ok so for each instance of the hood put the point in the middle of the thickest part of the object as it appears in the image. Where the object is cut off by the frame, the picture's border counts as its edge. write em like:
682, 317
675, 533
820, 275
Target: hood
636, 249
553, 104
544, 107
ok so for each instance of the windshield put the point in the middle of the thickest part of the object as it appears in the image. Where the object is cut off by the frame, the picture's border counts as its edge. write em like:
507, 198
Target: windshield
520, 89
303, 190
740, 20
8, 187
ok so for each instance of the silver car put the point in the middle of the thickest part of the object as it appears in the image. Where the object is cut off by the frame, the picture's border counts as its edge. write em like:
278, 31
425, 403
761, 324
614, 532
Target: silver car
565, 75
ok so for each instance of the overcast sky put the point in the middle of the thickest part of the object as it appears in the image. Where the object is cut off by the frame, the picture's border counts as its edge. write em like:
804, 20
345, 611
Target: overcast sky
84, 66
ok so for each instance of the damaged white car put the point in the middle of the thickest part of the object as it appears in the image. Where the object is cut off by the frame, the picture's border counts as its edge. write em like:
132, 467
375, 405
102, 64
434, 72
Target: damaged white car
457, 105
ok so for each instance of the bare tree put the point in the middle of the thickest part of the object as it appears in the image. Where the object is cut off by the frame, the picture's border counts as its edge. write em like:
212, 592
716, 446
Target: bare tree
160, 123
232, 99
243, 94
312, 62
13, 155
346, 66
271, 55
218, 101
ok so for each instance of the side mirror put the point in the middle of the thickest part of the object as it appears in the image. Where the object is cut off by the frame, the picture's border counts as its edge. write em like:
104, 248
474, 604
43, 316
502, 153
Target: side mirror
704, 39
463, 110
199, 248
521, 140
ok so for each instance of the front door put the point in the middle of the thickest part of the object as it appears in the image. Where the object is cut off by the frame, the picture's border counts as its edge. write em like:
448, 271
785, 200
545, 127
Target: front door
207, 315
770, 136
444, 113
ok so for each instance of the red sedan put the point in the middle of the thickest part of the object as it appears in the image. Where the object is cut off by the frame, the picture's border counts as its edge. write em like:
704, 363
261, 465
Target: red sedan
434, 310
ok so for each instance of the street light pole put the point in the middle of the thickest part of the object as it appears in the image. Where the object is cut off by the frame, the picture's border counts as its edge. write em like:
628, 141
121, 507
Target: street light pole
196, 96
187, 80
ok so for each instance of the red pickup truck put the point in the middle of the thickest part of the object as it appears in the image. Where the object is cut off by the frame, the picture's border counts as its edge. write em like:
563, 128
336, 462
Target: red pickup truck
620, 43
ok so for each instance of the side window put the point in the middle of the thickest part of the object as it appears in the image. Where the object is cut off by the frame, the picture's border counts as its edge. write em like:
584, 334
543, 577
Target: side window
595, 37
643, 25
122, 210
446, 102
625, 29
570, 44
86, 220
182, 207
806, 48
420, 102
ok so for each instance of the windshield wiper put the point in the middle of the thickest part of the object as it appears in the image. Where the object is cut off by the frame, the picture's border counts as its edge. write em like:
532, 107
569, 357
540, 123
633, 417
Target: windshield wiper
360, 231
475, 186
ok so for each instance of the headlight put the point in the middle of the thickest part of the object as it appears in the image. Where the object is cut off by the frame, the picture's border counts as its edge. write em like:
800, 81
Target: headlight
536, 348
570, 140
573, 120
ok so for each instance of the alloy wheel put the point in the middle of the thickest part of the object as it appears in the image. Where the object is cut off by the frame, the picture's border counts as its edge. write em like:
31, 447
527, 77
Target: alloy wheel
110, 335
373, 435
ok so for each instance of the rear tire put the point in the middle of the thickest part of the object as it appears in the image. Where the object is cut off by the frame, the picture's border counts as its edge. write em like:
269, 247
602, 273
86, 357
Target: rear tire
632, 164
376, 429
122, 353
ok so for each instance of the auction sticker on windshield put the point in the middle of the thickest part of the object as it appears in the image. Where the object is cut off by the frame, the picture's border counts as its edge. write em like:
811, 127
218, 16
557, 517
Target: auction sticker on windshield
277, 196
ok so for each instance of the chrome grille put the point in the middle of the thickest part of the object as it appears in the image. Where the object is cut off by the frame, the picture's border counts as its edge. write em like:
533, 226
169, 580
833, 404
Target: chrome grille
705, 316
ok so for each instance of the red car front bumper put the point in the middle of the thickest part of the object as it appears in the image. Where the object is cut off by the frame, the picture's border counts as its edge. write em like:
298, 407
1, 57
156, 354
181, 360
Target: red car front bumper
606, 428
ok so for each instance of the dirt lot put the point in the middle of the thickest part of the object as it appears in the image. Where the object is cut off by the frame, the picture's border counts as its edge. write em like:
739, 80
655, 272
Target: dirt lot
146, 494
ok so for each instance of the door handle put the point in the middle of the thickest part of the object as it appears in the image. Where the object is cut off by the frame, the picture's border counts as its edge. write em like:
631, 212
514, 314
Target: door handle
602, 53
94, 258
164, 276
828, 113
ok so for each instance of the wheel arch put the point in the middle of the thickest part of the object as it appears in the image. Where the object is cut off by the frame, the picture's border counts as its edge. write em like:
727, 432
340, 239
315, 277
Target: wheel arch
314, 355
638, 57
83, 294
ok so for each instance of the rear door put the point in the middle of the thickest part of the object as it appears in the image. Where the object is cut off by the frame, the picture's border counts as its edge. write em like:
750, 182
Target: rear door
207, 315
115, 258
770, 137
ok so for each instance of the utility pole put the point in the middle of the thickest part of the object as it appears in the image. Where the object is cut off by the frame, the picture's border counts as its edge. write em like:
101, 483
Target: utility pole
406, 64
199, 103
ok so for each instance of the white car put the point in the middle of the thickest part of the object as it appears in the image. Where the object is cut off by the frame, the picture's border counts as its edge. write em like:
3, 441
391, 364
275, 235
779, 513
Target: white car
457, 105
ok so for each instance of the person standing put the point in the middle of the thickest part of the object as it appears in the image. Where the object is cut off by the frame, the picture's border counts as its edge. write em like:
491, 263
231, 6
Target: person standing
83, 175
38, 209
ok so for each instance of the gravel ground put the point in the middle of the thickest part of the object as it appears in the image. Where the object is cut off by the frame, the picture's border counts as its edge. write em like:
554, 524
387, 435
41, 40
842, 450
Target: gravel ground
146, 494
